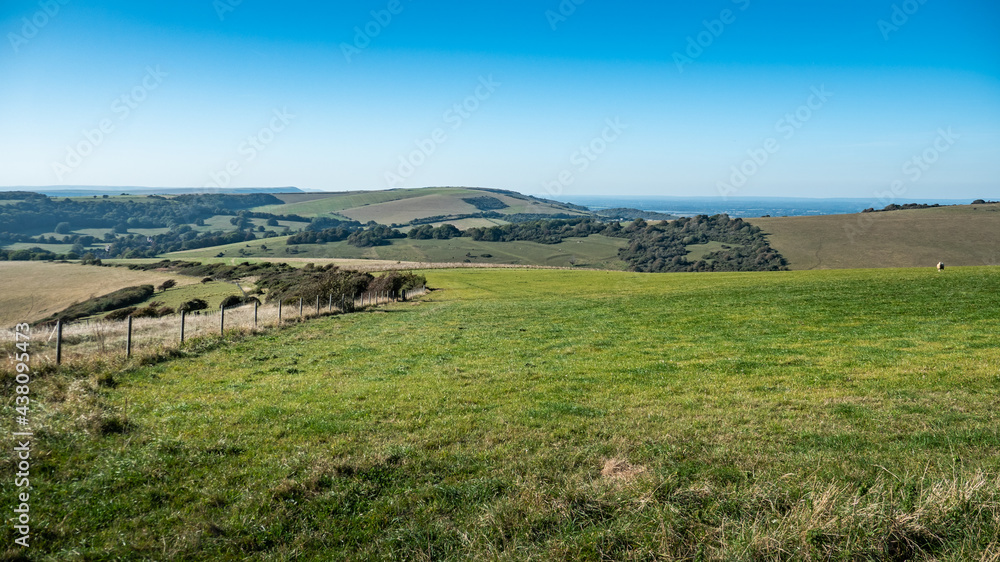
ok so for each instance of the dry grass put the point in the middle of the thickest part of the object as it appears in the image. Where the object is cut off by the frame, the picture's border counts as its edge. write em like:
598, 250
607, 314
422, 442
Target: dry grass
965, 235
83, 341
30, 291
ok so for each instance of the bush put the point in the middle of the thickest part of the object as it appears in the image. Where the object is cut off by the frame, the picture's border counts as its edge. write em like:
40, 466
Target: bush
111, 301
167, 285
120, 314
152, 310
193, 305
231, 300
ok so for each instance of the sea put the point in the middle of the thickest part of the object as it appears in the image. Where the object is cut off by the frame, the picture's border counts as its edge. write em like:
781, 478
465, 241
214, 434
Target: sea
744, 207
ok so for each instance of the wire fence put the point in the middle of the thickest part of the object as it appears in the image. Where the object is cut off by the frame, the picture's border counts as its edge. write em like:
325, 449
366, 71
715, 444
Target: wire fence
67, 342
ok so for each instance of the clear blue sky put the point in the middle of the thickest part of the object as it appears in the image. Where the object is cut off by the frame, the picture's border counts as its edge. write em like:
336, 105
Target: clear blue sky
256, 93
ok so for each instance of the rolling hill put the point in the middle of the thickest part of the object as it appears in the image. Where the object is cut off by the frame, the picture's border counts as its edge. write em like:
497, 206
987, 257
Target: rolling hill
956, 235
401, 206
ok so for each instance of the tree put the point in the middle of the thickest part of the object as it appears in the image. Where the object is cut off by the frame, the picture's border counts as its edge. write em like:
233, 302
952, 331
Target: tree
63, 228
167, 284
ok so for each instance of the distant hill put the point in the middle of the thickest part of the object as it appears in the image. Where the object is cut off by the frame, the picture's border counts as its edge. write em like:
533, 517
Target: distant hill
956, 235
428, 205
90, 190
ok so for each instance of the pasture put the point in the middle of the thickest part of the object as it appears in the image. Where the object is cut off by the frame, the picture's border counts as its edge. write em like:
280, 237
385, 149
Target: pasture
966, 235
558, 415
593, 251
32, 290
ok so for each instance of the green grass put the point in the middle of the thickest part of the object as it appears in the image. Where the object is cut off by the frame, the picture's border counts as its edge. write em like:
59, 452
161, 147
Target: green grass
698, 251
551, 415
593, 251
212, 293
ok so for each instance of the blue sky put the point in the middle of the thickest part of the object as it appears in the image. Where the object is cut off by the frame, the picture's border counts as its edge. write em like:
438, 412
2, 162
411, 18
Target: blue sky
579, 97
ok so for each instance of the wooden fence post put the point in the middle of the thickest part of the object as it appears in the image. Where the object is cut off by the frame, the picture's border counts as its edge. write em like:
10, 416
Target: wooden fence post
329, 305
317, 305
58, 342
183, 315
128, 339
300, 307
279, 311
222, 321
256, 304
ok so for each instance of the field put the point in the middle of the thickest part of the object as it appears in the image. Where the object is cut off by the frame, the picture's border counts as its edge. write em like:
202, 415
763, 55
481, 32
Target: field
31, 291
593, 251
961, 235
557, 415
401, 205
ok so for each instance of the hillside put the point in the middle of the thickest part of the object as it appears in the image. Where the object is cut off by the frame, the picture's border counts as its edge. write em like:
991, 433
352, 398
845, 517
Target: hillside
955, 235
822, 415
401, 206
32, 290
592, 252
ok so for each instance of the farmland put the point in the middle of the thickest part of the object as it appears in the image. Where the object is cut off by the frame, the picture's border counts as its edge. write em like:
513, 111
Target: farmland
958, 235
30, 291
552, 415
593, 251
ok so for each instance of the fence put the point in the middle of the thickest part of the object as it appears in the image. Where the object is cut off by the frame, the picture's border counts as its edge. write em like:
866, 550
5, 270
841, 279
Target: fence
70, 341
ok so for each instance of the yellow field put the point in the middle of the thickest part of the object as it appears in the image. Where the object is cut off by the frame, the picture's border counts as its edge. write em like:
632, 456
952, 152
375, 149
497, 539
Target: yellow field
958, 235
31, 290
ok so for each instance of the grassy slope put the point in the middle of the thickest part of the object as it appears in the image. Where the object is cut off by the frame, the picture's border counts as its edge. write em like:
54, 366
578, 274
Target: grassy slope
553, 415
401, 205
593, 251
961, 235
314, 204
31, 291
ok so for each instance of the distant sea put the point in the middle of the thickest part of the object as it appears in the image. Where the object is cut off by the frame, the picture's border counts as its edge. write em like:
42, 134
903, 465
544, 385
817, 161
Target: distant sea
746, 207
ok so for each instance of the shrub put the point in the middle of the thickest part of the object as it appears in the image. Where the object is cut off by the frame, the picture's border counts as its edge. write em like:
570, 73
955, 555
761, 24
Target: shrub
167, 284
111, 301
231, 300
152, 310
120, 314
193, 305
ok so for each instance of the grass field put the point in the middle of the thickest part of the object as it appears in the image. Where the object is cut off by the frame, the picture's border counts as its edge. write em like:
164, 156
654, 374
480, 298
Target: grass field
966, 235
316, 204
592, 252
401, 205
405, 210
31, 291
556, 415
